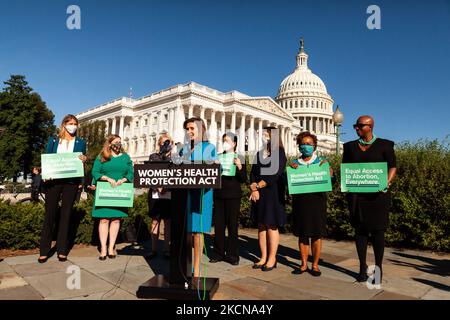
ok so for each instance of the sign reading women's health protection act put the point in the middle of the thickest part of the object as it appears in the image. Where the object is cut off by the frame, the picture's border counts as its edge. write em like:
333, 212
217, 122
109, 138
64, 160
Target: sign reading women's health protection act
364, 177
119, 196
227, 162
309, 179
61, 165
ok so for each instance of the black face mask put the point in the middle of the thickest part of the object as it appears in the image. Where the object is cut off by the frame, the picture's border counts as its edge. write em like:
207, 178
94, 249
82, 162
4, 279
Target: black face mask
165, 147
116, 147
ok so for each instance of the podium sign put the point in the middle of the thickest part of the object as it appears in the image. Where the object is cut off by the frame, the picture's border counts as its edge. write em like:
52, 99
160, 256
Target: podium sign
184, 176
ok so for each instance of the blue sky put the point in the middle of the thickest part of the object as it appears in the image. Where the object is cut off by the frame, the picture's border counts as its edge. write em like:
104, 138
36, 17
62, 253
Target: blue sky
399, 74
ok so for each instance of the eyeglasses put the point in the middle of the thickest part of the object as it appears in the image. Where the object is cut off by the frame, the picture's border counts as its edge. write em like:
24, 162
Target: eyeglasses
360, 125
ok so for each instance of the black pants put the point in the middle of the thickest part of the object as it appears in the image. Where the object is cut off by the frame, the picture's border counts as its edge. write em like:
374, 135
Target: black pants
226, 212
53, 193
362, 238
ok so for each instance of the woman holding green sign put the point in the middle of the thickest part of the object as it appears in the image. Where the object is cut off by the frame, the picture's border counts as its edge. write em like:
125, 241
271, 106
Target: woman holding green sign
227, 202
65, 189
369, 211
309, 209
115, 167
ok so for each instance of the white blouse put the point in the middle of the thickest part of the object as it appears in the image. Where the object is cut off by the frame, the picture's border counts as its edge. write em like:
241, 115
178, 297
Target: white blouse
65, 146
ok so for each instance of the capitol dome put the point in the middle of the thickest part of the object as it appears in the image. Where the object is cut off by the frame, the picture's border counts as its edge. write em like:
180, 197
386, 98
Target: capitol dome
304, 95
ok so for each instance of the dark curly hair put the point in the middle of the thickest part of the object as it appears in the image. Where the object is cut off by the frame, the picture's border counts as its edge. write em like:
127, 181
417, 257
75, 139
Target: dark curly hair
305, 134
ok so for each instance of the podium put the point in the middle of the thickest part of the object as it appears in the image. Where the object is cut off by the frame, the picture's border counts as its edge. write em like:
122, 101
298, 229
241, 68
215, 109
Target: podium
179, 284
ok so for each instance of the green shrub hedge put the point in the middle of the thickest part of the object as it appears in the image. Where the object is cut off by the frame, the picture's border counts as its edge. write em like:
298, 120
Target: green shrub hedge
420, 215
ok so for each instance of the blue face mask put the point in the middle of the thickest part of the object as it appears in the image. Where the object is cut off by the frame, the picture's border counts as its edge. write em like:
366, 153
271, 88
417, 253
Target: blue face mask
306, 150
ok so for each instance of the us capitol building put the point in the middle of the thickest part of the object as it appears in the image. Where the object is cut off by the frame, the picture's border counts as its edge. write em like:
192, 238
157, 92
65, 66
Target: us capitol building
301, 104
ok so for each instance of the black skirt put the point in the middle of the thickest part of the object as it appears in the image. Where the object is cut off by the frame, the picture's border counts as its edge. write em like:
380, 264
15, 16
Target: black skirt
369, 210
310, 214
159, 208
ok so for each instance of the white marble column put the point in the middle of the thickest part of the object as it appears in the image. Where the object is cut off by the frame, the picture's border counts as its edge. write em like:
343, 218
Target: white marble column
170, 119
160, 124
223, 127
141, 125
310, 124
202, 115
122, 122
107, 127
251, 135
283, 135
233, 122
242, 134
260, 130
191, 111
113, 129
178, 126
213, 128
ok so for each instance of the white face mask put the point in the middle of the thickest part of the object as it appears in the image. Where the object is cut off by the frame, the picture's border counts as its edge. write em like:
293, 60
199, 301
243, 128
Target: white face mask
227, 146
71, 128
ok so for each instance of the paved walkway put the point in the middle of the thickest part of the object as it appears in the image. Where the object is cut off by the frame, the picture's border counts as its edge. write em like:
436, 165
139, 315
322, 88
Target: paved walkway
408, 274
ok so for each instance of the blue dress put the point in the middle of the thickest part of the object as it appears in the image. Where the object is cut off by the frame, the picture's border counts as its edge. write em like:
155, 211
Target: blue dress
200, 201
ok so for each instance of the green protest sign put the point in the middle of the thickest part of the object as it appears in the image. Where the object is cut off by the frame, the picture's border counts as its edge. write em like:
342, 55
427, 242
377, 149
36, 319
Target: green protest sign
309, 179
61, 165
363, 177
120, 196
227, 162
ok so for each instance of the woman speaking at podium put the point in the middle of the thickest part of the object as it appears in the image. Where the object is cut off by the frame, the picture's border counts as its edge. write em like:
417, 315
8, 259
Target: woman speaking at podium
199, 201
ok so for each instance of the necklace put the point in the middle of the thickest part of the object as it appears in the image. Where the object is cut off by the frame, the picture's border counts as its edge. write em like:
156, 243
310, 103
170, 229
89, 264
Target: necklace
367, 143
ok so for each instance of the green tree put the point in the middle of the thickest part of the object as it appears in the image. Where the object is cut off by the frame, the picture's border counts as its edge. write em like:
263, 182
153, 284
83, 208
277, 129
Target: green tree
26, 124
94, 135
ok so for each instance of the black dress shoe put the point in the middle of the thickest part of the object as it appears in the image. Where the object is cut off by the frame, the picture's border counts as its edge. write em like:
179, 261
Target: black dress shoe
215, 260
315, 273
257, 266
362, 277
112, 256
102, 258
62, 259
234, 263
299, 271
266, 268
42, 260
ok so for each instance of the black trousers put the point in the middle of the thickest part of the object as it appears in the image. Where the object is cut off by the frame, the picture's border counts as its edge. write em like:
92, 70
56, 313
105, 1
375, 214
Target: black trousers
226, 212
362, 238
54, 191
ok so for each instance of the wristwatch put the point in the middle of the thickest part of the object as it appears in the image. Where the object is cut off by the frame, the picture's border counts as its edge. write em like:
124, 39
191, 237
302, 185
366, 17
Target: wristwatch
257, 186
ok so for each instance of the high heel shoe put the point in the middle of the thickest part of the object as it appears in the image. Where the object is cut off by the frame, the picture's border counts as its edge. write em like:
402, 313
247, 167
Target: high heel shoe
42, 260
102, 258
62, 259
266, 268
112, 256
258, 266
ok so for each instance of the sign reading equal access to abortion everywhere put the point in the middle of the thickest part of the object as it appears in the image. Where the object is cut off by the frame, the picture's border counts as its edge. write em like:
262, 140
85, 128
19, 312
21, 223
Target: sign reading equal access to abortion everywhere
61, 165
109, 196
309, 179
364, 177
